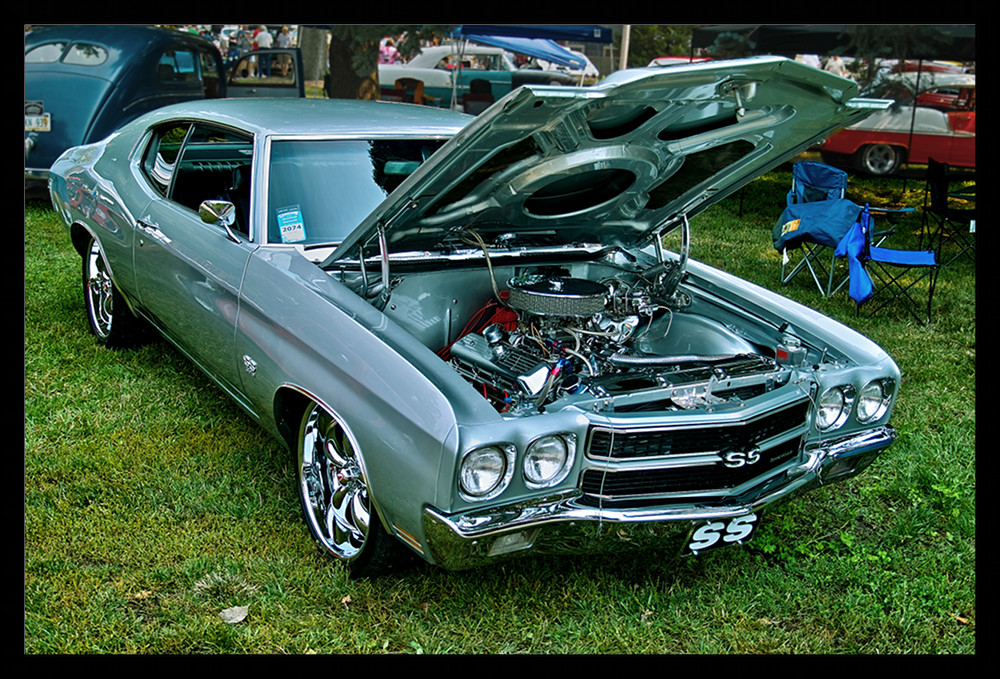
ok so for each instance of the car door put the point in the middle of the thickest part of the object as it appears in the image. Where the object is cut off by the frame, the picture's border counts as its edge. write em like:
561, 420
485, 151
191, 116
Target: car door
267, 73
188, 272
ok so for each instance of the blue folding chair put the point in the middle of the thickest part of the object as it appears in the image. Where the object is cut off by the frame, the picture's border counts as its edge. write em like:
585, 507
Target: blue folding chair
804, 227
809, 228
886, 275
812, 181
824, 188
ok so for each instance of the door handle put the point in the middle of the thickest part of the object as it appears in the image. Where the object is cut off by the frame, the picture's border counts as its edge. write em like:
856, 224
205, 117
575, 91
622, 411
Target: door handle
147, 228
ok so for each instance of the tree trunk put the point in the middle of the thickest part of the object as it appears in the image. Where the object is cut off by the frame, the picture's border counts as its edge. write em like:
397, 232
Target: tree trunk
312, 42
344, 81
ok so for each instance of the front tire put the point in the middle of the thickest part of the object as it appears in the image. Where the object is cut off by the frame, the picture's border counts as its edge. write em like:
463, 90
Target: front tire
111, 321
333, 489
879, 159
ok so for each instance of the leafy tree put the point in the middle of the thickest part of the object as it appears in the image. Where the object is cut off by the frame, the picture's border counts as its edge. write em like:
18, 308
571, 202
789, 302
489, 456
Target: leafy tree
648, 41
354, 55
869, 44
731, 45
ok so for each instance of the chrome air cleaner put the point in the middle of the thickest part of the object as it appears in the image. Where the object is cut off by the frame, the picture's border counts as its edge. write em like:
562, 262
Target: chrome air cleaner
557, 296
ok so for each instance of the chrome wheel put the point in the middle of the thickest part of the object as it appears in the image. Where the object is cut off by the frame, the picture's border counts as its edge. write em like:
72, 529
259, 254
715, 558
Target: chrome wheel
879, 159
99, 291
108, 314
332, 485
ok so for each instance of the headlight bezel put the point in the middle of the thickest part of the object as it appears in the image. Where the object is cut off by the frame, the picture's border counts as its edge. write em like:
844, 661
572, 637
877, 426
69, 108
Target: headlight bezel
847, 395
885, 386
568, 442
506, 454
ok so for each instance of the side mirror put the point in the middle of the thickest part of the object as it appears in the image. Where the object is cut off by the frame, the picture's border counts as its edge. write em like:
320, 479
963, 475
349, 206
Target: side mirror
220, 212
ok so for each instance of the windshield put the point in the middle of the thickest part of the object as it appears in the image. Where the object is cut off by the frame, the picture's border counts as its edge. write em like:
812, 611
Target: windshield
320, 191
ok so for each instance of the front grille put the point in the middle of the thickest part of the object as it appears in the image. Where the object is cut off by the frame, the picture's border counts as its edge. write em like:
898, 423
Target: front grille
617, 483
636, 488
608, 444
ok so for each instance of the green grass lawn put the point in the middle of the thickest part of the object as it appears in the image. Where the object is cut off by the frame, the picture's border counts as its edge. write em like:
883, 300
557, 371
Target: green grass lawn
152, 504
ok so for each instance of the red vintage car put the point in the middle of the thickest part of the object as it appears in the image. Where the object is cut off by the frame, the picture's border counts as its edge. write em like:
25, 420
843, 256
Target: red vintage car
942, 125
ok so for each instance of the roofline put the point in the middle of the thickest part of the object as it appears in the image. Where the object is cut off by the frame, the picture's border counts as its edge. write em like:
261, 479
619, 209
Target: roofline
296, 117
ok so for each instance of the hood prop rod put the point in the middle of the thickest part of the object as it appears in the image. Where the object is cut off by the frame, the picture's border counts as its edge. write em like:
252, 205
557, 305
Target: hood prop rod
384, 293
667, 275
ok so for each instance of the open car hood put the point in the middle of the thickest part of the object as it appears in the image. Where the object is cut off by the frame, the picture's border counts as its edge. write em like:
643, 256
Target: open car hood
613, 164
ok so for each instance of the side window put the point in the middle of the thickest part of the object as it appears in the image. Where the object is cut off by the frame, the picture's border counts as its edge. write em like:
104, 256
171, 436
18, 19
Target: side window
178, 66
160, 160
189, 164
215, 164
449, 62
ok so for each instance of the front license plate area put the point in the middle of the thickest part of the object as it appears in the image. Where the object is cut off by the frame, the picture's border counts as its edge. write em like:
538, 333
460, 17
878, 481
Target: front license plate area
38, 123
716, 533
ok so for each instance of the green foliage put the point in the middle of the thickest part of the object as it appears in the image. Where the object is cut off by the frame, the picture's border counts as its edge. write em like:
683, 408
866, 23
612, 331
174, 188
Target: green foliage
870, 43
731, 45
649, 41
153, 506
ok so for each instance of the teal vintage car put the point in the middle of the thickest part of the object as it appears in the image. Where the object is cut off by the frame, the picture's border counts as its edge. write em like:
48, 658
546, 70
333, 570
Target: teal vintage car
487, 337
83, 82
463, 76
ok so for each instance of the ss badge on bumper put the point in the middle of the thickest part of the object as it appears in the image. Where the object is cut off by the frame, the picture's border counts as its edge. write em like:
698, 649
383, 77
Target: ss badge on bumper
713, 534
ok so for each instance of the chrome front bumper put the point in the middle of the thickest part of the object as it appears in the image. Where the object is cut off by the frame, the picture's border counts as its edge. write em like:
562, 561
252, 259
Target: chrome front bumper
559, 524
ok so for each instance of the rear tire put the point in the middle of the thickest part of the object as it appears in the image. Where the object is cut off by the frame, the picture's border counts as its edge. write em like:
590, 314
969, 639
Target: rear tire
333, 489
879, 159
110, 320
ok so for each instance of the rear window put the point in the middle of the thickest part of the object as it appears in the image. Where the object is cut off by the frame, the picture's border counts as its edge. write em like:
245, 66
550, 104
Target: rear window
85, 54
45, 54
78, 54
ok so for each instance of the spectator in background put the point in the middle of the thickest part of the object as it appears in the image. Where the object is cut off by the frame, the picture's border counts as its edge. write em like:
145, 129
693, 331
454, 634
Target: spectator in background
264, 42
245, 45
387, 52
283, 41
836, 66
243, 41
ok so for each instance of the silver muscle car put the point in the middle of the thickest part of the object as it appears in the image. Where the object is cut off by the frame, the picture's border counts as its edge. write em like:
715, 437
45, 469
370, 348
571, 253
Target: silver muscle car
485, 337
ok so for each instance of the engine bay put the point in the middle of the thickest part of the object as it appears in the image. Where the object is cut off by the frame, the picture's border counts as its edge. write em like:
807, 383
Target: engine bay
553, 340
613, 332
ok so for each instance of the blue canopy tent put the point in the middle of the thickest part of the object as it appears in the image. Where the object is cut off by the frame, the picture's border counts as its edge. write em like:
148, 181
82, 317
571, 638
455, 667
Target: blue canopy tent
535, 40
564, 32
540, 48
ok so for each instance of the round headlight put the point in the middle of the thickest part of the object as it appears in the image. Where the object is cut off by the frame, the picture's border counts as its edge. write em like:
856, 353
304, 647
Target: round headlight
484, 472
547, 461
873, 401
832, 409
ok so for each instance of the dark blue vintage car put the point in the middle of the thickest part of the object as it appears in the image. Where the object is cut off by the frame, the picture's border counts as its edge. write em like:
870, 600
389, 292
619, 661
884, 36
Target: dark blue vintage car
83, 82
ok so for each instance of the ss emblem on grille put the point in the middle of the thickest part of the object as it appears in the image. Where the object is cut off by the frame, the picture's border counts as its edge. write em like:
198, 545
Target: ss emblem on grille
735, 459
